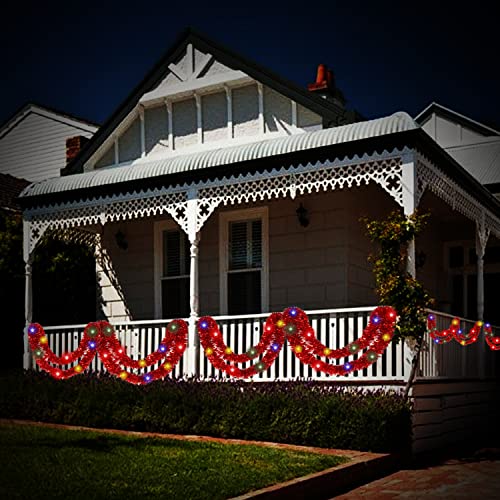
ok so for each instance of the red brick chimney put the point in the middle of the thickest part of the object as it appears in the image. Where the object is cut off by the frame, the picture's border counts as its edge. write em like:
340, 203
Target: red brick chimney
73, 146
325, 85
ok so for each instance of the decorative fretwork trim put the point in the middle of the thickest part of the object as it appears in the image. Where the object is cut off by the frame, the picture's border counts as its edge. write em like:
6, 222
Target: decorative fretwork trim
455, 196
321, 177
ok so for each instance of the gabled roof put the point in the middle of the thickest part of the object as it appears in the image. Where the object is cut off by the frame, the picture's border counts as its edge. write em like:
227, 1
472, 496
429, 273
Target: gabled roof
327, 110
46, 112
440, 110
481, 159
10, 188
399, 122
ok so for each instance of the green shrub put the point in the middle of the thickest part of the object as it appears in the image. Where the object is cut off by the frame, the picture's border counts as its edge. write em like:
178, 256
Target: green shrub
300, 412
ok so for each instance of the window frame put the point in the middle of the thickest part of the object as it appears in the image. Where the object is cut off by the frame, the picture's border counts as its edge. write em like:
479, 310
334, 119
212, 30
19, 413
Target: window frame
465, 271
241, 215
159, 228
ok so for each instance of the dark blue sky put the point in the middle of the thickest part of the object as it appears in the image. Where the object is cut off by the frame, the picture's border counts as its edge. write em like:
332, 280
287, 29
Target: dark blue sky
85, 58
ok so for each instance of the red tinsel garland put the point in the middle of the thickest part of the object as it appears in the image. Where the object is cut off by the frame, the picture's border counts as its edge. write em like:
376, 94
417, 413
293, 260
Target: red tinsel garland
455, 332
293, 324
100, 338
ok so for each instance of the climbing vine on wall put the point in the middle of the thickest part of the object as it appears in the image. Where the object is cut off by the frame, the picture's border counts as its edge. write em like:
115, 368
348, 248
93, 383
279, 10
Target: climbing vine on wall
394, 285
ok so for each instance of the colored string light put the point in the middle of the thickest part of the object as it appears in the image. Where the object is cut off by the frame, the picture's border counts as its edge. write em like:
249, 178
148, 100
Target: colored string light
100, 338
455, 332
293, 325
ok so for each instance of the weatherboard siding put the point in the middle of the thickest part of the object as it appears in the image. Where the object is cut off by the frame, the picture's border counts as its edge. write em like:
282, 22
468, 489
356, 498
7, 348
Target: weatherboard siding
35, 149
448, 133
320, 266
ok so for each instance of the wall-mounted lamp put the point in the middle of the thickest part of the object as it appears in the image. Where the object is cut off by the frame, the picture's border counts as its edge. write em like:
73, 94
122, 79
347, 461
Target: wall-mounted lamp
302, 215
121, 240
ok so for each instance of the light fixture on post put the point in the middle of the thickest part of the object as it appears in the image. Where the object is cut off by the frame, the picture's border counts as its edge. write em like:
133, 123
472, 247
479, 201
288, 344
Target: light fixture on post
121, 240
302, 215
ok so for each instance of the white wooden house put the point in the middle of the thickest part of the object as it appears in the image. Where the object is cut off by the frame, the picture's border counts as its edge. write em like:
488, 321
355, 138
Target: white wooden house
33, 141
219, 188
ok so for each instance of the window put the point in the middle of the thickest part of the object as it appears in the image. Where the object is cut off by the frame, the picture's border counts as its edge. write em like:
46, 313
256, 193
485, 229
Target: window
172, 266
462, 271
243, 257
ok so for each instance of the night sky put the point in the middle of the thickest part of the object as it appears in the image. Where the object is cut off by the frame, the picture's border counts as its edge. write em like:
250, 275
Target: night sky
86, 58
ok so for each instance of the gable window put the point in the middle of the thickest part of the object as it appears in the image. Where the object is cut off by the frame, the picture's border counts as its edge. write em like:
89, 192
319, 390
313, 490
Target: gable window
243, 257
172, 266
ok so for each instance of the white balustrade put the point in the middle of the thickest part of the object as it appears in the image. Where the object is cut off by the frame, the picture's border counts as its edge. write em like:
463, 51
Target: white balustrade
334, 327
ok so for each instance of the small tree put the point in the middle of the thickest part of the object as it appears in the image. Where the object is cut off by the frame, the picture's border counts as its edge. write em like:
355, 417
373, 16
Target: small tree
394, 285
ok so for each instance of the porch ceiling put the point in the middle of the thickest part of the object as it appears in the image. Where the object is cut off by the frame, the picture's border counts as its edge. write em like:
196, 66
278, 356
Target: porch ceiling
398, 122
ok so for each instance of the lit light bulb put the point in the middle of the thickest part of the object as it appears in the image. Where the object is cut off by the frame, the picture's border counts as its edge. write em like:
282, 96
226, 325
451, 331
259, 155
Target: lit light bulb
44, 339
353, 347
209, 351
386, 337
327, 351
347, 366
167, 366
78, 369
142, 363
298, 348
228, 350
123, 375
252, 352
280, 323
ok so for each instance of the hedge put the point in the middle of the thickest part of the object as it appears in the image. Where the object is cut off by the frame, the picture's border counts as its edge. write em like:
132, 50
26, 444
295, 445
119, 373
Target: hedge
299, 412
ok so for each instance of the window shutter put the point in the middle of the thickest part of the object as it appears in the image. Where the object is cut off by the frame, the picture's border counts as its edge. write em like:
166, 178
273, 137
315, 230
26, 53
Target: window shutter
175, 274
176, 260
244, 280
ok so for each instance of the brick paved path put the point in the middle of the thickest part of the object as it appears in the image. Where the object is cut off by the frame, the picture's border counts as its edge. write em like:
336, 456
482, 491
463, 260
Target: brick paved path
469, 478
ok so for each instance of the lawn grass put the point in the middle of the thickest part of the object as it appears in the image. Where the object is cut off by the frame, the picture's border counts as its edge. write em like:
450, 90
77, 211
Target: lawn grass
42, 463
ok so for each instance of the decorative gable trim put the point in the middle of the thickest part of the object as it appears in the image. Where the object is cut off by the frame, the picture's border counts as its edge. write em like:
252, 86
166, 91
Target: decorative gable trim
330, 112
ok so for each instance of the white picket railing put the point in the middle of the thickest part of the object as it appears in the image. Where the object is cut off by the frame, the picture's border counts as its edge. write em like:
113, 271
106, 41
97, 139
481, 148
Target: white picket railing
334, 327
454, 360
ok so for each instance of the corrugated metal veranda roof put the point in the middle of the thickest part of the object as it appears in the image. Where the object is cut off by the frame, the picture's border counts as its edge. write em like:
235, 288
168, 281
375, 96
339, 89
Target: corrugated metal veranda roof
398, 122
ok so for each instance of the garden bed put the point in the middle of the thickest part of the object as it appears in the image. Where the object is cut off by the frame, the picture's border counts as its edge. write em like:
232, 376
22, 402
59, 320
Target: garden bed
302, 413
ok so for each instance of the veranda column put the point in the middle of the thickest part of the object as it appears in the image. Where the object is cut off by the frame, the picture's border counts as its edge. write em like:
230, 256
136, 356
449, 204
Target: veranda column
409, 184
482, 235
193, 365
410, 202
28, 293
